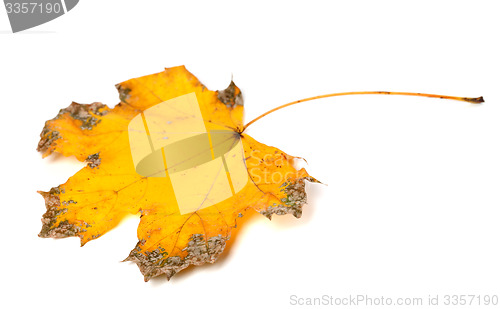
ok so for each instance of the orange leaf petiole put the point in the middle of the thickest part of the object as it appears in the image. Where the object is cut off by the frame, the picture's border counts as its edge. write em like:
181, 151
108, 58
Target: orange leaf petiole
470, 100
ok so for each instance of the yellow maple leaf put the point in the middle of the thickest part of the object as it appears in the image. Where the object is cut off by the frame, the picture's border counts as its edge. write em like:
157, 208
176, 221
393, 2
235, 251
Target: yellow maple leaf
175, 152
171, 235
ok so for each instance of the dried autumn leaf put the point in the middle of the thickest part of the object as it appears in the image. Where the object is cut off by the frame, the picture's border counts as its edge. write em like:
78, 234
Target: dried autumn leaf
171, 237
175, 152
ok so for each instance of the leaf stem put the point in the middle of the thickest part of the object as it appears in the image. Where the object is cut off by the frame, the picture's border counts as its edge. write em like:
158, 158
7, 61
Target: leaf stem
470, 100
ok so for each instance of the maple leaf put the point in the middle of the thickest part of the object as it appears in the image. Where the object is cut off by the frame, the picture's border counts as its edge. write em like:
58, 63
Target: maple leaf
175, 152
172, 236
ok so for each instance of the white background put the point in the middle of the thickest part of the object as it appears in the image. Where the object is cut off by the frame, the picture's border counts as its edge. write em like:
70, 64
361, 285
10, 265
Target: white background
411, 207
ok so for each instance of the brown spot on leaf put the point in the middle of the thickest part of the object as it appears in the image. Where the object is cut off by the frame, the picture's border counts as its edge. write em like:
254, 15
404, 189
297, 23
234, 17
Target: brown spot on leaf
47, 137
230, 96
93, 160
86, 113
155, 263
50, 229
123, 92
296, 197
